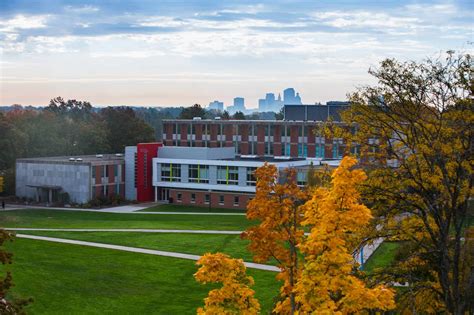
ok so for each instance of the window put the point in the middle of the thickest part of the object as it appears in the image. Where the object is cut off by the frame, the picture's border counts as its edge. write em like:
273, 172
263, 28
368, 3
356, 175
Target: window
193, 198
106, 171
301, 178
222, 175
236, 201
104, 190
116, 170
207, 199
93, 171
193, 173
198, 174
233, 175
336, 150
302, 150
287, 149
251, 180
117, 189
171, 172
320, 150
179, 197
221, 199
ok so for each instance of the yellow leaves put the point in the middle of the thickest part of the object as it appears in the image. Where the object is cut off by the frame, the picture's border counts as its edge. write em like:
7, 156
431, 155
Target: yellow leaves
235, 296
327, 283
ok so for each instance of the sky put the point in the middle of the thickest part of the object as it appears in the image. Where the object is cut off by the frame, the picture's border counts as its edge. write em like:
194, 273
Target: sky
172, 53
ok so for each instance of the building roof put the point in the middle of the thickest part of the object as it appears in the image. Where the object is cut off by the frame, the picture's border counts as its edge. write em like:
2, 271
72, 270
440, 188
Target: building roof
77, 159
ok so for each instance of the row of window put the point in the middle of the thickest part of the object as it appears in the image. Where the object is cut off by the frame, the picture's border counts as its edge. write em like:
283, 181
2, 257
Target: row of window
104, 170
269, 130
226, 175
207, 199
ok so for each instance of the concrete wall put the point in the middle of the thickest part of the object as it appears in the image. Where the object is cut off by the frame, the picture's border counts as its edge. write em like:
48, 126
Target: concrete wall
130, 189
196, 153
75, 179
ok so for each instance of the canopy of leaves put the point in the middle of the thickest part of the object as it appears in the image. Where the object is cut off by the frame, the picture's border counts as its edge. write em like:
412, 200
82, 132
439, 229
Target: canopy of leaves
415, 130
235, 295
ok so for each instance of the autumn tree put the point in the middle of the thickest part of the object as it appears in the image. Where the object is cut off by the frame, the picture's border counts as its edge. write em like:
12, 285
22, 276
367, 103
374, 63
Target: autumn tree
8, 306
329, 281
277, 209
415, 130
235, 295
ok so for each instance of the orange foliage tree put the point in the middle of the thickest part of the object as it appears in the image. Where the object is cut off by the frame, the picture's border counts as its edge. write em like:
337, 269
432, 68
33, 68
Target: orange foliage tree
329, 282
235, 295
277, 208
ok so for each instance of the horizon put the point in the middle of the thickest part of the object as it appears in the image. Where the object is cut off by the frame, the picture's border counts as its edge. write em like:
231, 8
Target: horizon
138, 53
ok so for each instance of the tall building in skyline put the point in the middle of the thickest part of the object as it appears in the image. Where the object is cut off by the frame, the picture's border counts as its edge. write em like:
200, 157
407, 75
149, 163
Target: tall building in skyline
290, 98
216, 105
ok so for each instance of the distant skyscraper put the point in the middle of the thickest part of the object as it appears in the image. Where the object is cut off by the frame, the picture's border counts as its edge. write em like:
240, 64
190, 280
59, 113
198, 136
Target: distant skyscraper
239, 104
262, 105
289, 97
216, 105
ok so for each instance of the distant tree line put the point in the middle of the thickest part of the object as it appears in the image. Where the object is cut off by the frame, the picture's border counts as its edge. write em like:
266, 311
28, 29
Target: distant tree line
66, 128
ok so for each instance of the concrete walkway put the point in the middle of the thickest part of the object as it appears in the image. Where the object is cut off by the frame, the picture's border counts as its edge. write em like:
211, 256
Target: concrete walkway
121, 209
127, 230
136, 250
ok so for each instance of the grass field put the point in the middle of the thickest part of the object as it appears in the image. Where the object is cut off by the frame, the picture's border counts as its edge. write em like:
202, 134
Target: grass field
71, 279
186, 208
382, 256
197, 244
82, 219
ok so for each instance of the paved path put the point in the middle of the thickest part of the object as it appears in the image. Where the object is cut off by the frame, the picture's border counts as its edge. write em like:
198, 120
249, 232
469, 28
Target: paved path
136, 250
122, 209
128, 230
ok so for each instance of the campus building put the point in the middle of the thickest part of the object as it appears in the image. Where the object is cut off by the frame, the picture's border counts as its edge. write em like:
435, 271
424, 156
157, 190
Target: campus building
297, 136
82, 177
213, 177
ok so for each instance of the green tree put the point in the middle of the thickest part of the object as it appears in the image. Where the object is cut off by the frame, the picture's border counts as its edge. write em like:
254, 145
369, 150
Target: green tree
238, 116
193, 111
124, 128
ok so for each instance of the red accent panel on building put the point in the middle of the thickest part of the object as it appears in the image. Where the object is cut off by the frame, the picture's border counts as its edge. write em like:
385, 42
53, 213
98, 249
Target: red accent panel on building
145, 153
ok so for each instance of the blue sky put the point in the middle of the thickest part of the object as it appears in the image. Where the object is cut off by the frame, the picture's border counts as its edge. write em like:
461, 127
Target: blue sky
184, 52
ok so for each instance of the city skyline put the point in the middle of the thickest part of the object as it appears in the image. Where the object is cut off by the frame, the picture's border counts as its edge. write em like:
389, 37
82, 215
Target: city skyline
177, 53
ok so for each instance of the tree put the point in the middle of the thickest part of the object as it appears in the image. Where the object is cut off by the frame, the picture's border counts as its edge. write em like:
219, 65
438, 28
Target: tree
124, 128
225, 115
277, 208
416, 134
8, 306
193, 111
330, 282
235, 295
238, 116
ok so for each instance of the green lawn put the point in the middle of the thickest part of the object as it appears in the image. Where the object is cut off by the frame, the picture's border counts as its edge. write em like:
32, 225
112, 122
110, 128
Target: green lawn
71, 279
186, 208
382, 256
81, 219
197, 244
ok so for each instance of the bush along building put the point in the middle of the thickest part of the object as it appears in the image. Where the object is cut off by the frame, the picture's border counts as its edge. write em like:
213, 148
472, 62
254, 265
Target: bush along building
200, 162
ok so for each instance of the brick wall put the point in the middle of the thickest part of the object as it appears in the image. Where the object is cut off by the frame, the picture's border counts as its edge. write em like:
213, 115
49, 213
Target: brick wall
186, 198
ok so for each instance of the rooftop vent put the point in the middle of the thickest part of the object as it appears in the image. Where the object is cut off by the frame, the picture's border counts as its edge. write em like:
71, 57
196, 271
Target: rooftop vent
196, 118
72, 159
217, 118
99, 156
118, 154
78, 160
282, 157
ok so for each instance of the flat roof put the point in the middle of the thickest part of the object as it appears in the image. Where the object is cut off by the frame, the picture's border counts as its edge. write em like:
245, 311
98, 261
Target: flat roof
84, 159
271, 159
234, 121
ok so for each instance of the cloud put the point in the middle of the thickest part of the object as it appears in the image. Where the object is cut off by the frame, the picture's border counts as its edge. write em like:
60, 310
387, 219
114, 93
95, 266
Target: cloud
82, 9
23, 22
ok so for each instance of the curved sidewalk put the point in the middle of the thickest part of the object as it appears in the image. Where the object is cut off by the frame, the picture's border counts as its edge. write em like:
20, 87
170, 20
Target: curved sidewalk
136, 250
